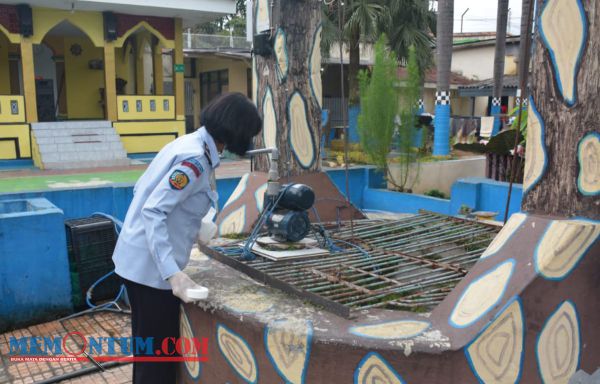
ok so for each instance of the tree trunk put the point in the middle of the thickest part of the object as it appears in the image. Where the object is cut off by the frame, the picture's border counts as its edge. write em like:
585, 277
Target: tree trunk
500, 53
288, 87
353, 67
562, 170
499, 57
445, 23
525, 34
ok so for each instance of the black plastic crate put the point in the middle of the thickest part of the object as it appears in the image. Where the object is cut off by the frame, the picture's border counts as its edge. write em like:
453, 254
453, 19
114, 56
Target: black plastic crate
91, 242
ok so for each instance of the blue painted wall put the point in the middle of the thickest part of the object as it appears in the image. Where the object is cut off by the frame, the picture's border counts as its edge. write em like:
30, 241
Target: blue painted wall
113, 200
27, 291
384, 200
357, 178
367, 191
493, 197
34, 266
16, 164
82, 202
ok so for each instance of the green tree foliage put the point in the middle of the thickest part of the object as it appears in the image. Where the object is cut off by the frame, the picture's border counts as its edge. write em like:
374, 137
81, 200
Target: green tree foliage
407, 129
362, 21
235, 22
379, 106
405, 22
411, 23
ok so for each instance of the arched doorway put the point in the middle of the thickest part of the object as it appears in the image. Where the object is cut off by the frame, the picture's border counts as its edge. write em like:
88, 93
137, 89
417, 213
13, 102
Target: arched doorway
139, 64
11, 82
69, 75
45, 82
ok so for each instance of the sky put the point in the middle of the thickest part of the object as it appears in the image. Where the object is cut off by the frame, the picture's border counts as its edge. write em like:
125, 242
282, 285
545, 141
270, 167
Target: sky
481, 16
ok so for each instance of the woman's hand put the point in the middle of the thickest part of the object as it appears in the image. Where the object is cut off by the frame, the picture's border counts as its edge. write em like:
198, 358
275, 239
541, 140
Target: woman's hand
180, 283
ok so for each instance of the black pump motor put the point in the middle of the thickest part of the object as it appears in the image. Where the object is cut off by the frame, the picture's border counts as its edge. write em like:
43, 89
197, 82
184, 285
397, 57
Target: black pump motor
288, 226
289, 221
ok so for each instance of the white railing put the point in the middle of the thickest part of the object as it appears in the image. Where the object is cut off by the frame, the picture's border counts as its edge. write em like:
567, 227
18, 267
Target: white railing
202, 41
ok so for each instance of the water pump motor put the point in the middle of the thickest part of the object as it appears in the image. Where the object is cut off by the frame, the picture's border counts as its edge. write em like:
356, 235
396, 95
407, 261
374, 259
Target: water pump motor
289, 221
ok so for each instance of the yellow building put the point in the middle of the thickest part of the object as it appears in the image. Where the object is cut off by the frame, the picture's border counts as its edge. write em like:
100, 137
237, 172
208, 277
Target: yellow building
82, 83
214, 64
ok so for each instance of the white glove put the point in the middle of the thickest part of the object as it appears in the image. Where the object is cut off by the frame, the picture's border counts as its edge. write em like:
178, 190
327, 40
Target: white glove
208, 228
180, 283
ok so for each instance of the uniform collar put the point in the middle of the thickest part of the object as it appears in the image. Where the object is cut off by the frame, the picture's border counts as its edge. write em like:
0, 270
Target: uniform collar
210, 148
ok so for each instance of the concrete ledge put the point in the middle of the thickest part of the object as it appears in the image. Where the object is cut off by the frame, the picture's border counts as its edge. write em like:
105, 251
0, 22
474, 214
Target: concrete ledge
440, 175
34, 266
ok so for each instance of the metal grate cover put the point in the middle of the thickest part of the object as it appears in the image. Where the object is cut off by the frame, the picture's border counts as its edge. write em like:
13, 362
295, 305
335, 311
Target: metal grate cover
408, 264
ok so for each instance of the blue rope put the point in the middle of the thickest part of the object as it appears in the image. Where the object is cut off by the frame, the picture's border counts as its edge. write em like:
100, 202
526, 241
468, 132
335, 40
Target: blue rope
118, 223
329, 242
247, 250
361, 250
88, 295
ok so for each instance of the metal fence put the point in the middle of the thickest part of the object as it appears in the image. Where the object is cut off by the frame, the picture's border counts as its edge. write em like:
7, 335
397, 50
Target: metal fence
499, 167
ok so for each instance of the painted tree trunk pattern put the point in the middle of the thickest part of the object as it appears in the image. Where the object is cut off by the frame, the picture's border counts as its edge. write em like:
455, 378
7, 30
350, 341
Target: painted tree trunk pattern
565, 87
285, 96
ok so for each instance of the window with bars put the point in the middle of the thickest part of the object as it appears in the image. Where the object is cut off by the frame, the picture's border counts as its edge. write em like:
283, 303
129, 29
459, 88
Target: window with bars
212, 84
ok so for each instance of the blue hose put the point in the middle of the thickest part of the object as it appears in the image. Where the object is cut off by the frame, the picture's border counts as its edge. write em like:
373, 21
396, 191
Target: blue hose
88, 295
247, 251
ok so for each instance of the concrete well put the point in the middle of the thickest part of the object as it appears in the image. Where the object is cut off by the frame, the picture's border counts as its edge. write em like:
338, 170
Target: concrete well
34, 267
525, 312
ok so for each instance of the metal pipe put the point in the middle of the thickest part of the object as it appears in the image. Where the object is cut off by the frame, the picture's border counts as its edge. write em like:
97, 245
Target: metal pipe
461, 19
80, 372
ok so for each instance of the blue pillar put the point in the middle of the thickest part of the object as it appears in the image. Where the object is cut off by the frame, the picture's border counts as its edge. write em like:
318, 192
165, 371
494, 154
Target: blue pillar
496, 111
353, 112
418, 136
441, 123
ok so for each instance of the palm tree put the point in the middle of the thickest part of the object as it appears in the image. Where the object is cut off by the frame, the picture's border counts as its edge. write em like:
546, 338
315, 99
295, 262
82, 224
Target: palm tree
524, 43
501, 22
445, 23
361, 21
412, 23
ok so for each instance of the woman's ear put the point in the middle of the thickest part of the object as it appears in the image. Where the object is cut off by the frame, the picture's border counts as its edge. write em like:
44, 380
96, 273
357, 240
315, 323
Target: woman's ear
220, 146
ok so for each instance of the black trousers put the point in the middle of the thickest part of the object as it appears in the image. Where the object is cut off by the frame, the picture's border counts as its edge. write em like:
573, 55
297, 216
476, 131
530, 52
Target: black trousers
154, 313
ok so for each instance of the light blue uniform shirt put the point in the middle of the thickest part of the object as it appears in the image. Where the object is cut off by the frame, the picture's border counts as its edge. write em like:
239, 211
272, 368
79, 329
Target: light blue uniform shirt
169, 201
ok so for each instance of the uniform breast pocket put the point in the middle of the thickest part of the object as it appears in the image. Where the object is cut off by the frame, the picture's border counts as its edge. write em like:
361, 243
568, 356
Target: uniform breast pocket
196, 206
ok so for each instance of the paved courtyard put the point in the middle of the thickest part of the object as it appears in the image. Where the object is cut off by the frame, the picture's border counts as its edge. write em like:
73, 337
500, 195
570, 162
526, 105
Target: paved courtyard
35, 179
100, 324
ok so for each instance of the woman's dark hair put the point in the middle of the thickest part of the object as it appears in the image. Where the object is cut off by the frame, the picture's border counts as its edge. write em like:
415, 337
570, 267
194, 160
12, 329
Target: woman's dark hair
232, 119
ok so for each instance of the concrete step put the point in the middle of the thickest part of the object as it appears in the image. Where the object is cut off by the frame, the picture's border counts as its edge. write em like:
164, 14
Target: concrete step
86, 164
50, 139
80, 147
71, 124
84, 156
67, 132
79, 144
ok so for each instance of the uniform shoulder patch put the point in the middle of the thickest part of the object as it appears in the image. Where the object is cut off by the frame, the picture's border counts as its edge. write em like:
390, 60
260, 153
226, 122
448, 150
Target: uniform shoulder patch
178, 180
194, 165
